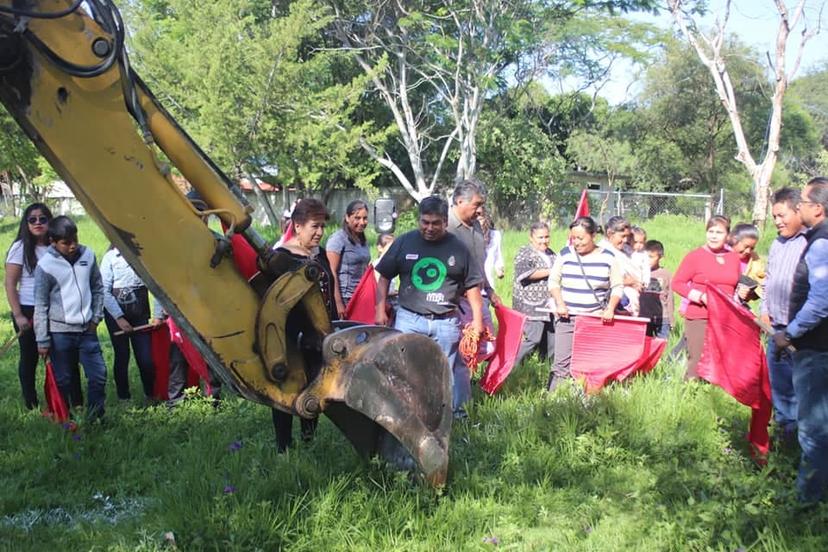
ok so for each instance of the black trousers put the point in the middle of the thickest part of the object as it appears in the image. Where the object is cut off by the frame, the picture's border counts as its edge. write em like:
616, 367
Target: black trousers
141, 348
537, 334
283, 425
27, 367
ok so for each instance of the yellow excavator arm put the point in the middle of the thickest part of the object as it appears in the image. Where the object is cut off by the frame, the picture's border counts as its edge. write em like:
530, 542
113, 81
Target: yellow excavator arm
65, 78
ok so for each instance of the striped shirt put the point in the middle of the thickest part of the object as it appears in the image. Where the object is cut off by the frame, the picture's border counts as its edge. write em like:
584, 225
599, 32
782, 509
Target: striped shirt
585, 291
782, 260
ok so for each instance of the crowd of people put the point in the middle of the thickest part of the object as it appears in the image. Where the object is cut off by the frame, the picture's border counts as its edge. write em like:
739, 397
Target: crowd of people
437, 281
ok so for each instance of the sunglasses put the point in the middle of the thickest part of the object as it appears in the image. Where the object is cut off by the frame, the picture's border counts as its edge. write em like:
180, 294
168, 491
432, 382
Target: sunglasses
38, 220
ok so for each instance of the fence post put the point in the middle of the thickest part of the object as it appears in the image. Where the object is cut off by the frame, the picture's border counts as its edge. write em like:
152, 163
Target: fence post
720, 207
619, 210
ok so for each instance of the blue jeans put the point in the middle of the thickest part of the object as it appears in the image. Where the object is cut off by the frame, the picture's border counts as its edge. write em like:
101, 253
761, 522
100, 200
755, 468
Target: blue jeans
782, 388
445, 332
69, 348
663, 330
810, 380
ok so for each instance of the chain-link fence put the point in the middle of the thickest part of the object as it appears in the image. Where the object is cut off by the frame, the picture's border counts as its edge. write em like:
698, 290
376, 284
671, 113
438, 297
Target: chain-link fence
561, 204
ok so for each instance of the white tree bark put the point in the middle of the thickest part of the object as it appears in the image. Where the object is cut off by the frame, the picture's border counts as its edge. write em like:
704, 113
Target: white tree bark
445, 71
709, 51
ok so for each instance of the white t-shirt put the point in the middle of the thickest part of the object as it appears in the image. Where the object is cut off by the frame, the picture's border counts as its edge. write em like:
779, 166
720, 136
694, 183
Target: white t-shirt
26, 286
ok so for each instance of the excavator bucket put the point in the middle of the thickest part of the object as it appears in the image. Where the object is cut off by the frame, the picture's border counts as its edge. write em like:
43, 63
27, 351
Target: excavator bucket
390, 394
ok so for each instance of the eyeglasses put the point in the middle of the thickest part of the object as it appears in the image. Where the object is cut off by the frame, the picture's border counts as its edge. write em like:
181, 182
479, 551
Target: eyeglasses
38, 220
801, 201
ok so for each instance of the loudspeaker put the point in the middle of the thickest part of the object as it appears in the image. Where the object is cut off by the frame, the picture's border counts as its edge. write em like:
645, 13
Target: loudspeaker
385, 215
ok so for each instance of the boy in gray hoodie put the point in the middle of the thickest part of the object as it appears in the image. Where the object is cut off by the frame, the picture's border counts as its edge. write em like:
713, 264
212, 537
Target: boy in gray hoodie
68, 308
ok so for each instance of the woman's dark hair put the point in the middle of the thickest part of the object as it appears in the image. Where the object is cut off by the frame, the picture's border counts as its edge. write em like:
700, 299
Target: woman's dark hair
743, 231
538, 226
586, 223
308, 209
26, 238
62, 228
352, 208
718, 220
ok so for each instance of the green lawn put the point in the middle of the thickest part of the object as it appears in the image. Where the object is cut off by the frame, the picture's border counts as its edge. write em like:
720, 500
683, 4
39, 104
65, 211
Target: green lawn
655, 464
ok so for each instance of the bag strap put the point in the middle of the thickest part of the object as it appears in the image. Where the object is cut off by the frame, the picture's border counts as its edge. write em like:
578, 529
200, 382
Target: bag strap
592, 289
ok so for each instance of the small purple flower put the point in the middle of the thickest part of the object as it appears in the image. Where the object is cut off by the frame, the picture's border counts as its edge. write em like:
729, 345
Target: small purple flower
76, 437
67, 426
229, 489
234, 446
494, 541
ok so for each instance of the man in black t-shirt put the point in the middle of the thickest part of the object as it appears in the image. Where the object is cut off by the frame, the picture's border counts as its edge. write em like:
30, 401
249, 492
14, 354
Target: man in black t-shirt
436, 270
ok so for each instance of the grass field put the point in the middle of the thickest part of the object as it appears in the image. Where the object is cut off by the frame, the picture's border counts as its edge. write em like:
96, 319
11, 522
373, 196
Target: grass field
655, 464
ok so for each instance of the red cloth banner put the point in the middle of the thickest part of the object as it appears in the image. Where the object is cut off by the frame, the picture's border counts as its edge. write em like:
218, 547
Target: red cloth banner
161, 342
734, 360
507, 343
361, 306
583, 205
612, 352
55, 405
244, 256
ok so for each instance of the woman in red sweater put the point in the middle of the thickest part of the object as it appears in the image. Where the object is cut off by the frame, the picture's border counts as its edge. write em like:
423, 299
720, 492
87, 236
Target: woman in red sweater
713, 264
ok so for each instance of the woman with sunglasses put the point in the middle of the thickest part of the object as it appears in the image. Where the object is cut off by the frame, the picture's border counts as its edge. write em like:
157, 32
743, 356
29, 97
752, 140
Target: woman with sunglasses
21, 260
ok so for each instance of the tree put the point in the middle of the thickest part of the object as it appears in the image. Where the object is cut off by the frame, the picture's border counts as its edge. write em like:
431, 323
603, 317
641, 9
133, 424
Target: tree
248, 81
433, 63
599, 151
709, 51
809, 93
19, 162
517, 160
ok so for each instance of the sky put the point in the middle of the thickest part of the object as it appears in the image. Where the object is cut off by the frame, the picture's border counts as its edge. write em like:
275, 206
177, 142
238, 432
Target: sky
754, 21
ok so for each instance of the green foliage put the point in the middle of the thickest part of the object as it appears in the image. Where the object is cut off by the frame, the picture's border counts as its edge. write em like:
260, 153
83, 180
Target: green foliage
518, 162
809, 92
20, 162
251, 86
682, 135
651, 464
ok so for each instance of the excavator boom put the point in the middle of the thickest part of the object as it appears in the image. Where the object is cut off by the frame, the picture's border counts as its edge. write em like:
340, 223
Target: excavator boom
65, 78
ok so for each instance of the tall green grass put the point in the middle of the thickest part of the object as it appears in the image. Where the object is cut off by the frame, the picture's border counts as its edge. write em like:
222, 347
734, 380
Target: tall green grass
653, 464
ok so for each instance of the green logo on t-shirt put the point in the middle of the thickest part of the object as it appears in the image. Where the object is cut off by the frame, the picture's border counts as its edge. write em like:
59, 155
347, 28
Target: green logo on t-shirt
428, 274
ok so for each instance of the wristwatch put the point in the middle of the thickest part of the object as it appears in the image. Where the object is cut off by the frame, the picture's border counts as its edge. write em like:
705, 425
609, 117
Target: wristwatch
788, 336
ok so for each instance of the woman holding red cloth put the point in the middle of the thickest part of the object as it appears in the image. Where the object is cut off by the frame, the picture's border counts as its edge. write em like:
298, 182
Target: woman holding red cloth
712, 264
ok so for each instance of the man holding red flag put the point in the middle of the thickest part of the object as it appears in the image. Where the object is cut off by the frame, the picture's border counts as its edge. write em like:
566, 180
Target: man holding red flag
808, 332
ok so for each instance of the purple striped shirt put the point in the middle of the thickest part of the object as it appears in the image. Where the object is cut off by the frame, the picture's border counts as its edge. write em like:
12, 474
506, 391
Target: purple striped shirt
782, 260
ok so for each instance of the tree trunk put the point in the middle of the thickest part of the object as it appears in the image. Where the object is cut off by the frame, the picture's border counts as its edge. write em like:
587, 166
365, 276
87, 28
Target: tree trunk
264, 201
709, 51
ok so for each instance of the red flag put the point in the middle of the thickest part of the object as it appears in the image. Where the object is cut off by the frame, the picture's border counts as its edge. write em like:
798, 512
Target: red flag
612, 352
734, 360
583, 205
55, 405
198, 368
361, 307
509, 337
244, 255
160, 340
